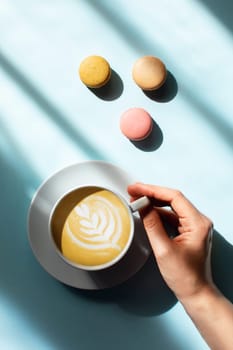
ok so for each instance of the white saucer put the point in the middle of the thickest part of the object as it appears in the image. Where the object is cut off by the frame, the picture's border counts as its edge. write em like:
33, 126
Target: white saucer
101, 174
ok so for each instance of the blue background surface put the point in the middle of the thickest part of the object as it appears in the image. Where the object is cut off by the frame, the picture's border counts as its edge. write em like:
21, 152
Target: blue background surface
49, 119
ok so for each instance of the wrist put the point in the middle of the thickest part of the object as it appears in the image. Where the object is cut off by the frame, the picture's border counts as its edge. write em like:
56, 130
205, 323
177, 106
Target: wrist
201, 299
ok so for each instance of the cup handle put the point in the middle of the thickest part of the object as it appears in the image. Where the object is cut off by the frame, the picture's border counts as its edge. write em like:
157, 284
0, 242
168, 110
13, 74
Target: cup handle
139, 203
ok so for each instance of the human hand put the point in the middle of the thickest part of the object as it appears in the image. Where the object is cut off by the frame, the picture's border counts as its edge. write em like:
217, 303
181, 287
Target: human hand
184, 261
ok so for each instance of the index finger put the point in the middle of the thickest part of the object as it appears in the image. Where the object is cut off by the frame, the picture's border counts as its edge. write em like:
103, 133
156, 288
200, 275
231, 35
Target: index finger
174, 198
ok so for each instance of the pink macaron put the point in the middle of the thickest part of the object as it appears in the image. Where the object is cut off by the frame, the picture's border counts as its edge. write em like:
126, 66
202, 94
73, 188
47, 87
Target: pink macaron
136, 124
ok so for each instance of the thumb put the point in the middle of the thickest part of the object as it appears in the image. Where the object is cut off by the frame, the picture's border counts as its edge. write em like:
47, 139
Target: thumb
159, 240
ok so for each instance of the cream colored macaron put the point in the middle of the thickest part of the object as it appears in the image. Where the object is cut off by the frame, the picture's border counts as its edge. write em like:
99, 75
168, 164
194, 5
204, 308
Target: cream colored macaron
94, 71
149, 73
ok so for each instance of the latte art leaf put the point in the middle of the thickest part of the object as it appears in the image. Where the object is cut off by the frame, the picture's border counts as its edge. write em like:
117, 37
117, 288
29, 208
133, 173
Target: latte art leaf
101, 226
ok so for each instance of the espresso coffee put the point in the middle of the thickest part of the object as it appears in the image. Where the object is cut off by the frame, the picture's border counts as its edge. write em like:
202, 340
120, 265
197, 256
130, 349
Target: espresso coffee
91, 226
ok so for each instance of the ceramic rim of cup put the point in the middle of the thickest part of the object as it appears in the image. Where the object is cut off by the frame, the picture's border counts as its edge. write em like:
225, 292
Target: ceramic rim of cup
93, 267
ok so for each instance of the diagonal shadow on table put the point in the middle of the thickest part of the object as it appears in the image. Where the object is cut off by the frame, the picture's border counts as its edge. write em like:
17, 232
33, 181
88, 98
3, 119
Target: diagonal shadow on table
215, 120
50, 109
222, 9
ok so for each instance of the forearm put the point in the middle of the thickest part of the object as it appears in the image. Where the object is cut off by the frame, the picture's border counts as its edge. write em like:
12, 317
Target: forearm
212, 314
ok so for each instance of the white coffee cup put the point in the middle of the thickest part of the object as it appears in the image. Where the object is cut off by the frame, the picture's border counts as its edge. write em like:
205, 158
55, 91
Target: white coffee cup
77, 219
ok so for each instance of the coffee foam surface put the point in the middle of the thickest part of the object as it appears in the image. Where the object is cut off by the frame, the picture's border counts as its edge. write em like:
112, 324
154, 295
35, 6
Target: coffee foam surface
96, 230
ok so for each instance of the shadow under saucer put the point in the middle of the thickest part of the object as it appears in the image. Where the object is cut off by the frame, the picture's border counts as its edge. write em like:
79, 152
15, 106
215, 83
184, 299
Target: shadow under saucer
144, 294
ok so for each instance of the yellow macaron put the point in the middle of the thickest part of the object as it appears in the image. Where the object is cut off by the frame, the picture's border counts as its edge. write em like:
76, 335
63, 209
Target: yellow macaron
94, 71
149, 73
